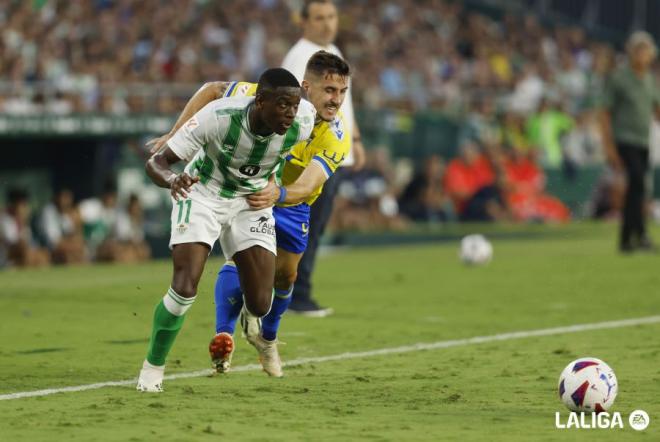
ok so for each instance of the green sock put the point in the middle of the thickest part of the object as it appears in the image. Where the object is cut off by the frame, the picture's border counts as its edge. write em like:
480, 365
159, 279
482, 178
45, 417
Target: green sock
168, 319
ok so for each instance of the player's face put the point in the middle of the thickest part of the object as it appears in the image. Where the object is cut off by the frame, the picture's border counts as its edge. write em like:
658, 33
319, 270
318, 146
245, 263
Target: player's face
321, 24
326, 93
279, 109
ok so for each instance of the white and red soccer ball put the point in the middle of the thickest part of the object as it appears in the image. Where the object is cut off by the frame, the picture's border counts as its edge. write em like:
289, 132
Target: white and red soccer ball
589, 385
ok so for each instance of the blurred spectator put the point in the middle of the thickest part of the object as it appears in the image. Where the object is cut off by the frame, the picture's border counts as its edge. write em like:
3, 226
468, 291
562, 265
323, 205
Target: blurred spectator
471, 182
424, 198
525, 183
367, 199
545, 130
608, 195
112, 55
125, 242
16, 233
528, 90
583, 144
481, 125
513, 132
99, 216
61, 227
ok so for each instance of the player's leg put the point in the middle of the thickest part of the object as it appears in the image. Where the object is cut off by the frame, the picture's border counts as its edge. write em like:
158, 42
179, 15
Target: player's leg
228, 298
285, 276
188, 262
292, 228
228, 304
194, 230
256, 272
303, 301
250, 242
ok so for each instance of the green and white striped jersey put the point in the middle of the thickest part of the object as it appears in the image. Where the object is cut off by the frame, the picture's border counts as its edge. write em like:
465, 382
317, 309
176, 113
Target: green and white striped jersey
229, 159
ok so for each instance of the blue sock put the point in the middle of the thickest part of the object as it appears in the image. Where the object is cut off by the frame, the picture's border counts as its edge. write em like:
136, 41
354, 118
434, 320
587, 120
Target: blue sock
228, 299
271, 322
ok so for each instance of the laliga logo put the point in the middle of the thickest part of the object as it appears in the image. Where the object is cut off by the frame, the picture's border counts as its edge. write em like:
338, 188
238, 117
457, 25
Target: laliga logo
639, 420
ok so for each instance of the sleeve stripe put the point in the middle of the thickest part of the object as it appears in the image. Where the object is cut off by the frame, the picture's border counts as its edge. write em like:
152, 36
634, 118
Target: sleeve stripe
231, 89
326, 168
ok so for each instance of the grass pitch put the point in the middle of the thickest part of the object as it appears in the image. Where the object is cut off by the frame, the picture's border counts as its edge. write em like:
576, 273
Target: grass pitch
74, 326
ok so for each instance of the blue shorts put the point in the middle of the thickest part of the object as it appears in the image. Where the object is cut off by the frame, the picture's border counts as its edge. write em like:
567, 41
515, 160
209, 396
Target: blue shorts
292, 227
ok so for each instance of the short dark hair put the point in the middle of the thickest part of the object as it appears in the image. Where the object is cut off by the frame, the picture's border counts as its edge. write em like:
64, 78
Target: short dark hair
274, 78
304, 12
326, 63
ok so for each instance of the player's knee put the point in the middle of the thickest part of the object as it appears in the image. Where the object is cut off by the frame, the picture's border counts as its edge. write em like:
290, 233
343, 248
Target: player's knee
259, 306
184, 287
284, 280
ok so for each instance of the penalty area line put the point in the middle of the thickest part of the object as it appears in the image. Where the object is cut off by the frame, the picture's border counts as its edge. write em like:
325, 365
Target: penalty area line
363, 354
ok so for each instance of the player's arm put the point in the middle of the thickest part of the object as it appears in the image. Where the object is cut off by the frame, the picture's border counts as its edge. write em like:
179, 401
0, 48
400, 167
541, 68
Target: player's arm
158, 168
609, 100
605, 120
207, 93
183, 145
309, 180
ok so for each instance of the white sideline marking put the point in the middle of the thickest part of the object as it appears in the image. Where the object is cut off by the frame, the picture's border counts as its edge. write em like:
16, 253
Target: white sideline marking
364, 354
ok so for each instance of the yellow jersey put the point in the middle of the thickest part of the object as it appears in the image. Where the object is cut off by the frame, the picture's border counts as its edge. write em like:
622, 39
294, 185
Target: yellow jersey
328, 145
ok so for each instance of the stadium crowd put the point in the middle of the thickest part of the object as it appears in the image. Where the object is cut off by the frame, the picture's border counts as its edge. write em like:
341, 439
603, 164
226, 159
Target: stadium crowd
114, 55
69, 232
526, 94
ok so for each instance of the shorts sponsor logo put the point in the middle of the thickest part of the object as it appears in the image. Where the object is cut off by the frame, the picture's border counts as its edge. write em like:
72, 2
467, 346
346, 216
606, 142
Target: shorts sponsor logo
249, 169
181, 228
263, 224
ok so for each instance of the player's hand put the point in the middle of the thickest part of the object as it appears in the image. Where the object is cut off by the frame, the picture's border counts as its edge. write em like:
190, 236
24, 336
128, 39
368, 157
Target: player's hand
157, 144
180, 185
266, 197
359, 155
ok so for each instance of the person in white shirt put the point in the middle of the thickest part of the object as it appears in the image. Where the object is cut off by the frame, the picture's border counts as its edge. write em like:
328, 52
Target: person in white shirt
319, 25
16, 239
61, 227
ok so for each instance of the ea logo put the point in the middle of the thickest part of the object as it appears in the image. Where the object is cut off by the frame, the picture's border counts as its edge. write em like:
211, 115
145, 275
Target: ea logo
249, 170
639, 420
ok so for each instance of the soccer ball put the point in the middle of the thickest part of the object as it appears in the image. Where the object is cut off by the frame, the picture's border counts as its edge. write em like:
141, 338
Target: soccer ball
476, 250
588, 384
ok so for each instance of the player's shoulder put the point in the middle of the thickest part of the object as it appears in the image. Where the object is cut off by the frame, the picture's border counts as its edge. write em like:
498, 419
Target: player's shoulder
240, 89
306, 116
334, 130
218, 112
228, 104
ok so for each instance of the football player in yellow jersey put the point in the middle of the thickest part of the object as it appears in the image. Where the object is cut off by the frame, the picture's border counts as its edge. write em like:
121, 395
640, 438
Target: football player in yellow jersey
304, 170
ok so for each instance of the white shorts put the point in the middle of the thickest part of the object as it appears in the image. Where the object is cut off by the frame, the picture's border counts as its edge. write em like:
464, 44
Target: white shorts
202, 219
